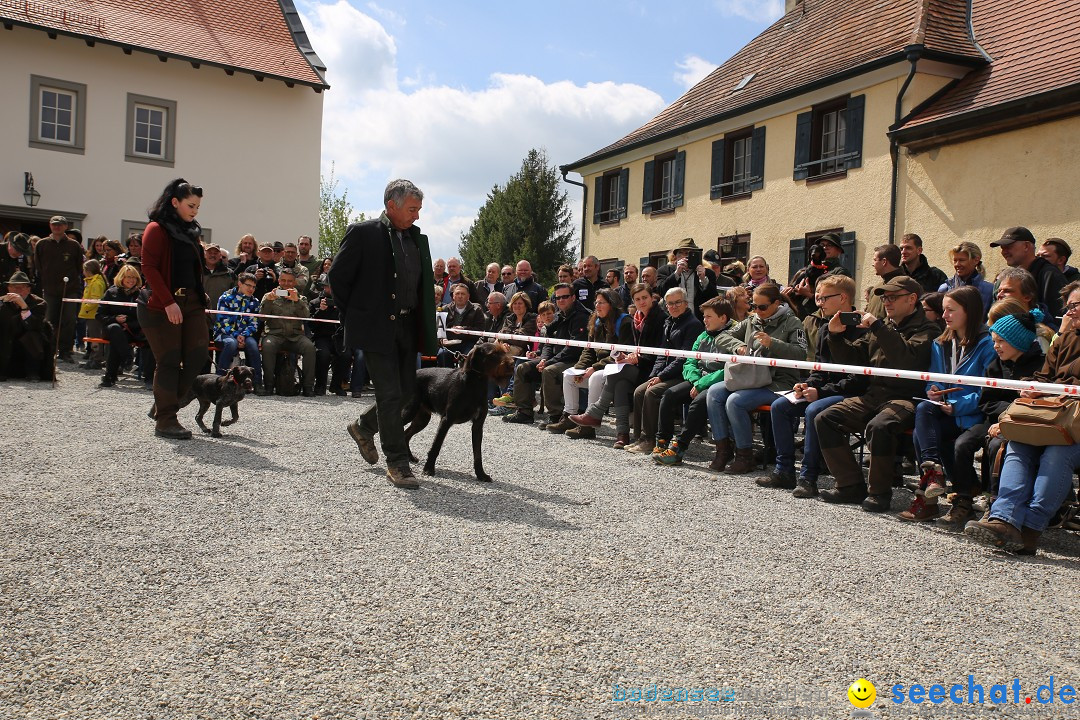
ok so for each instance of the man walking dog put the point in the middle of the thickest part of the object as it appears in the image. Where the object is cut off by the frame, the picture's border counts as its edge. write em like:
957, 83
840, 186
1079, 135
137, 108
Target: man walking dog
387, 301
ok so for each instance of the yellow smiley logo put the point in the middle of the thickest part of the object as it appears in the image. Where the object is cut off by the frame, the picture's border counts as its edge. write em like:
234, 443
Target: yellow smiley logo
862, 693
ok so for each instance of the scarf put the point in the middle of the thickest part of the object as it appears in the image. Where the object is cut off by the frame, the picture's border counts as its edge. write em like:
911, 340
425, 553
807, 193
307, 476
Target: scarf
639, 321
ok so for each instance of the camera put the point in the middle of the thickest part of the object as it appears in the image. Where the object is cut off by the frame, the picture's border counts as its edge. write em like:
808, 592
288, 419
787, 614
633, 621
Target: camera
281, 293
850, 319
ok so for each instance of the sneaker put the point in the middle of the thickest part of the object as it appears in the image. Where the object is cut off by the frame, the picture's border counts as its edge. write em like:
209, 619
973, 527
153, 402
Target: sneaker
660, 447
518, 417
503, 400
933, 476
671, 455
500, 411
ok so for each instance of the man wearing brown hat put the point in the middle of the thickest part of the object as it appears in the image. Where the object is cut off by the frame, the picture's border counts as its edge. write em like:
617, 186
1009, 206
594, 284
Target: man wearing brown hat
801, 289
1018, 248
886, 410
13, 258
58, 260
24, 331
265, 270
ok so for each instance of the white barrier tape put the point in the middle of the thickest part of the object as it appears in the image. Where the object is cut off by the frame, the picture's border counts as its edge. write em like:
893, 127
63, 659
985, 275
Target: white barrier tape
211, 312
969, 380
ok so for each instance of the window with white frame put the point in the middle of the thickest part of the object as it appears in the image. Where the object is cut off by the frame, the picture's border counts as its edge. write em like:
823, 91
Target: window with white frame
57, 114
151, 130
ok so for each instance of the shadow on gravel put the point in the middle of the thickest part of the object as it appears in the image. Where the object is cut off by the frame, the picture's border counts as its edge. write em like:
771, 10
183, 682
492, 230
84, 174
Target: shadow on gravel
209, 451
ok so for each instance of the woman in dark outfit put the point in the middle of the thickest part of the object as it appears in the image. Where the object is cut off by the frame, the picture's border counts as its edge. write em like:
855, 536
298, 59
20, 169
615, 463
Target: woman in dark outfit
173, 318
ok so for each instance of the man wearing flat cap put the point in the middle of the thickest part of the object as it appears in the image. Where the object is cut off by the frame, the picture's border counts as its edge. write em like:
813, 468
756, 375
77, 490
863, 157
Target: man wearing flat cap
688, 272
886, 410
1018, 248
57, 257
801, 289
13, 258
25, 334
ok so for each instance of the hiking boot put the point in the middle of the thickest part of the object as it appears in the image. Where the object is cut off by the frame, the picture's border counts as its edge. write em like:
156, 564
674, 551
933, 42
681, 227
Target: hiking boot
643, 445
579, 432
781, 480
173, 431
561, 426
933, 479
660, 447
365, 442
723, 456
878, 503
846, 495
996, 534
621, 441
920, 510
107, 381
1031, 541
308, 392
402, 477
519, 417
805, 488
672, 454
500, 411
958, 515
585, 420
743, 463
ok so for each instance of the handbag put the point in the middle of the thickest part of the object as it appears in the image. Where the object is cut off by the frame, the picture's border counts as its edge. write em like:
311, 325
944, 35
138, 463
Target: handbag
744, 376
1042, 421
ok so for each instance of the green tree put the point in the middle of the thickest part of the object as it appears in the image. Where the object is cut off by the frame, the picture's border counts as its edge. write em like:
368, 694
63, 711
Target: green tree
335, 215
528, 218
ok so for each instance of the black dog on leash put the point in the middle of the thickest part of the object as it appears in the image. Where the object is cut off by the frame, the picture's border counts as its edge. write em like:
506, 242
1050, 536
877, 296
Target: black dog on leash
223, 391
458, 395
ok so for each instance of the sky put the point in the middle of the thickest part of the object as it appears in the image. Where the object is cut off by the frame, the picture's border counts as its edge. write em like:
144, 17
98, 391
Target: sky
454, 95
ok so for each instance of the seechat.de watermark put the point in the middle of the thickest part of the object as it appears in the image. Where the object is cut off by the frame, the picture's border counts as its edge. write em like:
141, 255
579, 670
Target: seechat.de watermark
1052, 691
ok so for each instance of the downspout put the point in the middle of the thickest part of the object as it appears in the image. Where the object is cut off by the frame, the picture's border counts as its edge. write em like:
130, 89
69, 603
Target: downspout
913, 54
971, 34
584, 204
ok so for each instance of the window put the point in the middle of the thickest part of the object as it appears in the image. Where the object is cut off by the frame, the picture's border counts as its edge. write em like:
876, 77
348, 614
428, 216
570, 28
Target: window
610, 202
738, 164
732, 248
662, 186
57, 115
828, 139
151, 130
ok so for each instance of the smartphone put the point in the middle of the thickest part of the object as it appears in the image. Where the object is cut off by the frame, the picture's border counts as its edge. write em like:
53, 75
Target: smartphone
694, 259
850, 318
282, 293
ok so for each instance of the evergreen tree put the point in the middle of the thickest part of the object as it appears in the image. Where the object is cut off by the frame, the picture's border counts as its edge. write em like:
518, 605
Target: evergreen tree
526, 219
335, 215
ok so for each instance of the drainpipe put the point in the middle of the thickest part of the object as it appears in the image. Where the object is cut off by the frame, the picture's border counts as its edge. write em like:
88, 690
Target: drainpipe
584, 204
913, 53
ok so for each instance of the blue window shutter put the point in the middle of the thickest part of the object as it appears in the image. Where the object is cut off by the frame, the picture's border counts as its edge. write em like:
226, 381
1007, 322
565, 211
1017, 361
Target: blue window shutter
717, 175
598, 200
847, 260
624, 183
757, 158
804, 129
679, 179
647, 188
796, 257
642, 264
856, 108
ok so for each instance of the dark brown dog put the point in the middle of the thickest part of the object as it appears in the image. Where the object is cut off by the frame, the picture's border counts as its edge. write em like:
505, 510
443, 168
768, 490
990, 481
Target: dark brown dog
223, 391
458, 395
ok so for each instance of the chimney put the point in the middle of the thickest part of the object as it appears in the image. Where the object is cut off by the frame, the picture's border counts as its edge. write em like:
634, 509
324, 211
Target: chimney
790, 5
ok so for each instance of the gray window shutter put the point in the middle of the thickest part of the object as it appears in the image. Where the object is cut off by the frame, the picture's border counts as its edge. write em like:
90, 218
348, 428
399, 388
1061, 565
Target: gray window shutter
855, 110
847, 260
647, 189
804, 129
624, 185
717, 175
642, 264
796, 257
598, 200
757, 158
679, 178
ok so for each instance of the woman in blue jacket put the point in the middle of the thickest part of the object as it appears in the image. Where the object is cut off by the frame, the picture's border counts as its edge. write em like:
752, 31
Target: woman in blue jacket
949, 428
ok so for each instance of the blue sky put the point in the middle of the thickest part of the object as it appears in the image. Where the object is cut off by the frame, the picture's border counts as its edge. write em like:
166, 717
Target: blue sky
453, 96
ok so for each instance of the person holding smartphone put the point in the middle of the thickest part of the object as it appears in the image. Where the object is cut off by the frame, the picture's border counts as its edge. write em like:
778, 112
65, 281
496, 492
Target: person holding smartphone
286, 335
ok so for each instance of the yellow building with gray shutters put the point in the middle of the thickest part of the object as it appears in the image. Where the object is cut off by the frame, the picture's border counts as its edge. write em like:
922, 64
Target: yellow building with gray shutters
952, 119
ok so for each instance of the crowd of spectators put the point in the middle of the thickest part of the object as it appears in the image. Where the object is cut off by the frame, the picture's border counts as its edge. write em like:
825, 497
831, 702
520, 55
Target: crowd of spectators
1023, 324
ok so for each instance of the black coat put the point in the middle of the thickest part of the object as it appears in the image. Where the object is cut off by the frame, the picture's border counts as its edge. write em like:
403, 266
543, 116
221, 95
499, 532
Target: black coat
323, 329
678, 334
107, 313
830, 383
704, 289
585, 291
651, 336
574, 325
995, 401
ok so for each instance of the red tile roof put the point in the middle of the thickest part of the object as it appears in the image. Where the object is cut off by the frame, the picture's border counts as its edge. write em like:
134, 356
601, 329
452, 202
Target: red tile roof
1035, 49
260, 37
818, 43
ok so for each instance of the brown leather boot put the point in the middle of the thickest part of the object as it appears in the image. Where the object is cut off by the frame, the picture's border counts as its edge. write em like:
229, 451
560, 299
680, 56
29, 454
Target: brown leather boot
724, 454
564, 424
958, 515
581, 432
744, 461
1031, 541
921, 510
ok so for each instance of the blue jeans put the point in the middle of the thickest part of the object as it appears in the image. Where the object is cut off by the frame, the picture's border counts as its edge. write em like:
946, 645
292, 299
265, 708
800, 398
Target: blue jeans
230, 346
1034, 483
784, 417
359, 375
939, 439
729, 412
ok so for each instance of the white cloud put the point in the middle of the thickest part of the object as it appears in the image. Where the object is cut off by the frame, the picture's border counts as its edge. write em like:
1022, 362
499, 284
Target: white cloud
753, 10
386, 13
693, 70
455, 143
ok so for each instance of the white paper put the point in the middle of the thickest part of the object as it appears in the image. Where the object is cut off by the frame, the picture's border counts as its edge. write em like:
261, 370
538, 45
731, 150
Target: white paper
613, 368
574, 371
440, 325
790, 396
936, 402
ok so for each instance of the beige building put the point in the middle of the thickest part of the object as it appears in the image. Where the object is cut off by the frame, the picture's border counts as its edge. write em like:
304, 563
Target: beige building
871, 120
105, 105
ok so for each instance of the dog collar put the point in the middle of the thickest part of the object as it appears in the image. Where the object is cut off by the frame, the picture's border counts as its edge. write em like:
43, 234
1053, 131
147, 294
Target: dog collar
233, 378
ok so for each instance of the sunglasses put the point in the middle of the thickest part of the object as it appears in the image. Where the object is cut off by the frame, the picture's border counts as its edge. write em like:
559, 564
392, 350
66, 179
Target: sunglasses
563, 297
894, 298
762, 308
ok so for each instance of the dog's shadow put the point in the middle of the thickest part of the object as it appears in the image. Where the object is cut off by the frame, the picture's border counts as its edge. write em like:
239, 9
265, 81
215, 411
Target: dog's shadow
227, 452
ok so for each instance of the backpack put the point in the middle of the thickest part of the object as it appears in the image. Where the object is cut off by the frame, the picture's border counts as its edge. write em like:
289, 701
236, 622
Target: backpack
285, 383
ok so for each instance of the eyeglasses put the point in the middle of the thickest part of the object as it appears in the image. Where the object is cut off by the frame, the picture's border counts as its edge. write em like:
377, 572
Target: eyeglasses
563, 297
1070, 307
671, 303
507, 274
819, 299
894, 298
762, 308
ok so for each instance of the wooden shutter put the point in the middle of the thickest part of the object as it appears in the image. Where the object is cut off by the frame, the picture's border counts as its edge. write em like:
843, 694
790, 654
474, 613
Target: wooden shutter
624, 194
757, 159
598, 200
642, 264
647, 188
717, 175
796, 257
847, 260
804, 130
678, 179
855, 111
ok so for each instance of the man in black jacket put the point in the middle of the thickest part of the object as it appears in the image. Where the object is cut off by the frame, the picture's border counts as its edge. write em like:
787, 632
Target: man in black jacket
525, 282
680, 330
914, 264
265, 270
1018, 248
586, 286
387, 303
13, 258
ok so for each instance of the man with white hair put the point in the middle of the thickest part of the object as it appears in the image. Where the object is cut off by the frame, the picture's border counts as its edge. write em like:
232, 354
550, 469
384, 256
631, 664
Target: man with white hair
491, 283
456, 276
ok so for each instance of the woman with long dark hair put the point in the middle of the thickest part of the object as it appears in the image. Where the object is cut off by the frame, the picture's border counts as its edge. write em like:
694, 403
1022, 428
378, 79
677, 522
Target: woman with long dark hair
173, 317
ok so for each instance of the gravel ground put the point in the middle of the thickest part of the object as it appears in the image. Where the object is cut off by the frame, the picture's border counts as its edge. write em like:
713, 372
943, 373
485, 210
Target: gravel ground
273, 574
